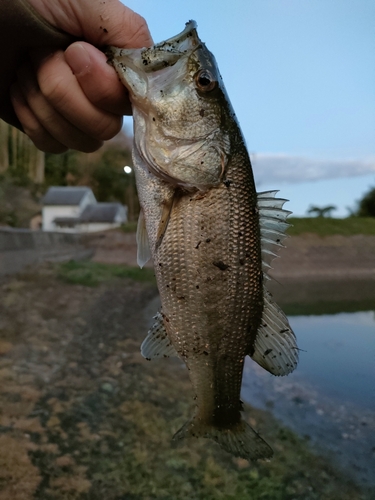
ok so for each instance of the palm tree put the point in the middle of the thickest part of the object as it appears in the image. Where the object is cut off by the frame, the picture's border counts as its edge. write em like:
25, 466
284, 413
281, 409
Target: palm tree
321, 211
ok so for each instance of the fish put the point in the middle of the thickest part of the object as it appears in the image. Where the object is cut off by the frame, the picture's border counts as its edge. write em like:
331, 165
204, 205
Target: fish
210, 235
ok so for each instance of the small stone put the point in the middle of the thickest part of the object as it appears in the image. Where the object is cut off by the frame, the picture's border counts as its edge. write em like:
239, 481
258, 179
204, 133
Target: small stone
107, 387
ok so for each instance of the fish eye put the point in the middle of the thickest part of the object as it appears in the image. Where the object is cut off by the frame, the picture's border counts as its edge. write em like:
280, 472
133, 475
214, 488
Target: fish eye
205, 80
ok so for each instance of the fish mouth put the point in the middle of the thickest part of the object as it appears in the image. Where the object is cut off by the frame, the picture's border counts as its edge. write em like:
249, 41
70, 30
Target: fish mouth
160, 55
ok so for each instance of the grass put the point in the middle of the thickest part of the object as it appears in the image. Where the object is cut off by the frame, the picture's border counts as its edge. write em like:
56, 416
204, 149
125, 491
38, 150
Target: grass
129, 227
88, 273
326, 226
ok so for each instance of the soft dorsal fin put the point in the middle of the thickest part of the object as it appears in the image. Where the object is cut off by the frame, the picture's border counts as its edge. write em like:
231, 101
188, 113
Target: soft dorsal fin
157, 342
272, 221
143, 246
275, 344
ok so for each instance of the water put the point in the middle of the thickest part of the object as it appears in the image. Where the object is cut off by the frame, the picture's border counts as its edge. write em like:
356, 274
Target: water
330, 397
340, 355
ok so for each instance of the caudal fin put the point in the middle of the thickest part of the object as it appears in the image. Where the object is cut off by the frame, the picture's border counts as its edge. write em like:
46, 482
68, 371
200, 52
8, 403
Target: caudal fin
240, 440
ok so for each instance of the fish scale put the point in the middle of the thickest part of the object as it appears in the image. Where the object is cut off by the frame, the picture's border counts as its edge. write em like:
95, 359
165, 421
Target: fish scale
227, 306
210, 235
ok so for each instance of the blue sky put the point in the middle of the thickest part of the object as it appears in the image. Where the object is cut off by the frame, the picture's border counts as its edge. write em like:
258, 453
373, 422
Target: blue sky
301, 78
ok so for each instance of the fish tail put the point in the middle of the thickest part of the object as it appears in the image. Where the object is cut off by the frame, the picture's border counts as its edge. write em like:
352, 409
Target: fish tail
240, 440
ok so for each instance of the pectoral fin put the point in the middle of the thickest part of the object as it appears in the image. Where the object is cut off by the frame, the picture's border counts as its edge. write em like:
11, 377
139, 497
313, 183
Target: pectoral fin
275, 344
143, 247
165, 216
157, 342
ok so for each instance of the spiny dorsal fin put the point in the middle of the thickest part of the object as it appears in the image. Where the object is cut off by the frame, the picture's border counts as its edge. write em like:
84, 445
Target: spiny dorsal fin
157, 342
275, 345
143, 247
272, 221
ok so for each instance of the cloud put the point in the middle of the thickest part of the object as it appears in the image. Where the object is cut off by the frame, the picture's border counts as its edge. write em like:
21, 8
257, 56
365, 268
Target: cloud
283, 168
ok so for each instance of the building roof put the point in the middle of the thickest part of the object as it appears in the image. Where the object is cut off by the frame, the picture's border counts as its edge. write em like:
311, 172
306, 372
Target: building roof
65, 195
100, 212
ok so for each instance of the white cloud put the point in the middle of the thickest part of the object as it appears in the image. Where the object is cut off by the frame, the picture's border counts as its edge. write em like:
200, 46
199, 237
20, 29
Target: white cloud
283, 168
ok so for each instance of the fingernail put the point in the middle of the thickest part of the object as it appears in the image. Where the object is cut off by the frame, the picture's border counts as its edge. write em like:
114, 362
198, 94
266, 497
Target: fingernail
78, 59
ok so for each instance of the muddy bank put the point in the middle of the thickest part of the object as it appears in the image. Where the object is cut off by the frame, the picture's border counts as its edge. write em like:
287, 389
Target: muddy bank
84, 416
314, 258
308, 257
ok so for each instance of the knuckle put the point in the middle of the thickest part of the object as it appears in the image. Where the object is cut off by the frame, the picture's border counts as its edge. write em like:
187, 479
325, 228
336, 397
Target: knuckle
54, 88
106, 129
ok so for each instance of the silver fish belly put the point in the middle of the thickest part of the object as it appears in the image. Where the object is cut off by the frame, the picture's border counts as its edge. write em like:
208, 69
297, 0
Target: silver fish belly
210, 235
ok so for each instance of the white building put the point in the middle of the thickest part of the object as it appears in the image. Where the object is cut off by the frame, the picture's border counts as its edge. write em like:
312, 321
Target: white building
75, 209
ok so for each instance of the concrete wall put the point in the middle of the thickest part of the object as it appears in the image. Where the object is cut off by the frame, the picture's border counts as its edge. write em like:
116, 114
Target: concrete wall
22, 247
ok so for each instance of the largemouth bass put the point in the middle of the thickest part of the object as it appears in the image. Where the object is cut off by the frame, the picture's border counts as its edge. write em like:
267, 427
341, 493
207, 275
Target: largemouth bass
211, 237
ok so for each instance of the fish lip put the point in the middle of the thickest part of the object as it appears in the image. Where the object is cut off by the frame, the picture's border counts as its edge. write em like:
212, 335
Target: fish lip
160, 55
190, 26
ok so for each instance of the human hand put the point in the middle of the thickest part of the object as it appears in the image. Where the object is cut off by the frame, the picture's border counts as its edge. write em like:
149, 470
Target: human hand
73, 99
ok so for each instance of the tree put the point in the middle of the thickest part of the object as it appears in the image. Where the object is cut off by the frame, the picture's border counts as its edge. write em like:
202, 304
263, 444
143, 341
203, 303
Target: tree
366, 206
19, 158
321, 211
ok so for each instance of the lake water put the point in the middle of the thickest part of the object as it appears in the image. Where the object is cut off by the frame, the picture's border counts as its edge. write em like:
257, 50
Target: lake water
338, 355
330, 397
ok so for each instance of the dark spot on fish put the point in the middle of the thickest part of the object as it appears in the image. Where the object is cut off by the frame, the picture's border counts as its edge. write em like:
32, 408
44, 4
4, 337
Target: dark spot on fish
240, 233
267, 352
201, 112
153, 119
148, 359
220, 264
160, 264
208, 240
197, 245
284, 330
247, 255
167, 286
181, 297
202, 162
166, 319
227, 183
242, 262
105, 30
205, 353
197, 287
145, 62
278, 240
